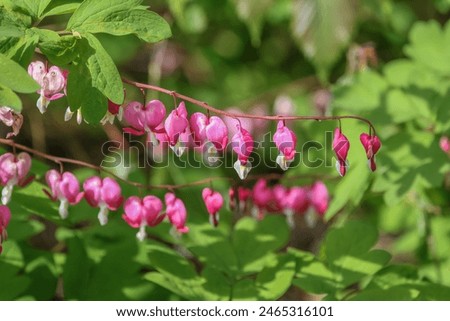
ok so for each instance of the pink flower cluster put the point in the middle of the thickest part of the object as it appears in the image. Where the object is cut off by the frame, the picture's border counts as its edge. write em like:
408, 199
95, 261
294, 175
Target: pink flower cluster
208, 132
341, 146
311, 201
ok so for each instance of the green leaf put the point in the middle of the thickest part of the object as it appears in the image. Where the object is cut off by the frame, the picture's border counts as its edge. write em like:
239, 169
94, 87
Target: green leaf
10, 99
323, 30
15, 77
312, 275
273, 281
119, 18
59, 7
430, 45
34, 8
103, 71
253, 12
364, 91
10, 25
82, 94
61, 51
20, 49
351, 189
254, 241
76, 270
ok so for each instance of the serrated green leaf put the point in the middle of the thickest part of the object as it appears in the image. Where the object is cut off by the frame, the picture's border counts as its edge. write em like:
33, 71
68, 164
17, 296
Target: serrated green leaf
15, 77
20, 49
10, 26
10, 99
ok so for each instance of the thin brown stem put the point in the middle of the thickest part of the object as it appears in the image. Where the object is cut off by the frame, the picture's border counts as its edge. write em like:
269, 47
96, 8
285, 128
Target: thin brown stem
61, 160
242, 115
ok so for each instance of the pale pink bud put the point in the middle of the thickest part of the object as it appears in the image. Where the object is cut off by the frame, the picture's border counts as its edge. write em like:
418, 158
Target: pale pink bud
341, 145
371, 144
5, 217
13, 171
230, 122
65, 188
284, 106
105, 194
176, 212
285, 140
211, 129
214, 202
141, 213
242, 143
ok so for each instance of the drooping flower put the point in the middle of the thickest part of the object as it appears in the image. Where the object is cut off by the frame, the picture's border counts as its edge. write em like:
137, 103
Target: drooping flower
263, 199
13, 171
285, 140
52, 81
105, 194
210, 133
242, 143
145, 119
114, 110
319, 198
11, 119
371, 144
69, 113
444, 143
5, 216
341, 145
176, 124
176, 212
291, 201
214, 202
140, 213
65, 188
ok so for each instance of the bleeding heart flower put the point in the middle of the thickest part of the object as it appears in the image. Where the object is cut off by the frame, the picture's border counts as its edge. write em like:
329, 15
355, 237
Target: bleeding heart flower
13, 171
263, 198
211, 133
341, 145
11, 119
285, 140
175, 125
5, 217
319, 198
242, 143
52, 82
65, 188
214, 202
444, 143
114, 110
371, 144
145, 119
176, 212
105, 194
140, 213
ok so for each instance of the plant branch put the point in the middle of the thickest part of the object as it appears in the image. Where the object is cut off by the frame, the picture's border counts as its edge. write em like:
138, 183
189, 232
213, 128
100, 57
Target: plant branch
63, 160
205, 105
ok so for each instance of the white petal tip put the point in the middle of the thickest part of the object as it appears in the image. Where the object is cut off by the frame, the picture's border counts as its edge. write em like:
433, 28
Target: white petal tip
283, 162
242, 170
68, 115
